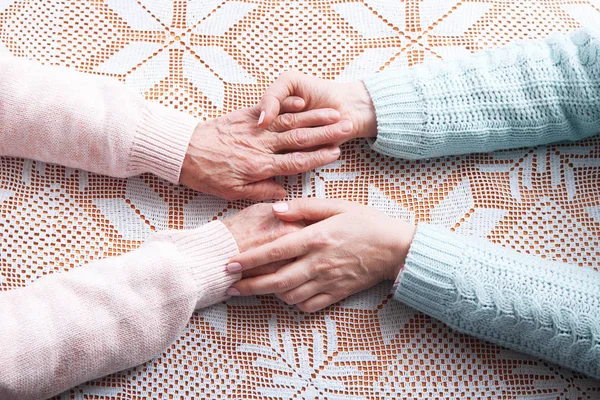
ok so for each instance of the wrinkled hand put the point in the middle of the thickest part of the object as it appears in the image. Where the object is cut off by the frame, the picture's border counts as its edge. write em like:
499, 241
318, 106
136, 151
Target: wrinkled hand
352, 100
347, 248
256, 225
233, 158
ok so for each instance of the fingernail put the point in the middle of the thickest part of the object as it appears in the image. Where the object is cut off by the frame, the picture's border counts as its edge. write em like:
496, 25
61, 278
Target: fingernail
234, 267
346, 126
333, 114
261, 118
335, 151
233, 292
299, 103
280, 207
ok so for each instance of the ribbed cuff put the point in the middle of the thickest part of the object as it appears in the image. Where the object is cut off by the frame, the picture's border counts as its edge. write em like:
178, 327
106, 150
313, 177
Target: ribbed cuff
426, 282
161, 142
401, 114
208, 250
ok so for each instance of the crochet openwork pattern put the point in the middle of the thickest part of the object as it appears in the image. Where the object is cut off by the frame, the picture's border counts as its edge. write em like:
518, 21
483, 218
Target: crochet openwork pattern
208, 57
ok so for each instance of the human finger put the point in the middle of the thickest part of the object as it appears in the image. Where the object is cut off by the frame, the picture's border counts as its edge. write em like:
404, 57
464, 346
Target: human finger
300, 293
286, 247
310, 138
298, 162
265, 269
292, 104
274, 96
263, 190
310, 209
310, 118
285, 279
318, 302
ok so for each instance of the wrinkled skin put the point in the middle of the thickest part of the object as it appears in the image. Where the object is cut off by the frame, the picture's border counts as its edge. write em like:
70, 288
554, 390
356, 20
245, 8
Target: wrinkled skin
231, 157
257, 225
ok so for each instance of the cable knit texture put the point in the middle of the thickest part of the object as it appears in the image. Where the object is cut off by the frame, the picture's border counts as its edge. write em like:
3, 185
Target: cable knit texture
524, 94
521, 95
57, 115
112, 314
547, 309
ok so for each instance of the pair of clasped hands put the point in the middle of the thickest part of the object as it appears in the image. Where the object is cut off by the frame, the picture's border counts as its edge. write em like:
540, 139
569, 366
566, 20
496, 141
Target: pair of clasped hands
308, 252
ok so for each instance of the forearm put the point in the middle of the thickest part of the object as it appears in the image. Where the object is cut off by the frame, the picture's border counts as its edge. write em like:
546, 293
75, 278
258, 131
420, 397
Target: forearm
67, 328
548, 309
58, 115
524, 94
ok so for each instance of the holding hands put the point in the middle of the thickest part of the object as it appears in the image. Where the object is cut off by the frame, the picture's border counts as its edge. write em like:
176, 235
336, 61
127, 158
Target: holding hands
345, 248
308, 252
298, 126
352, 100
231, 157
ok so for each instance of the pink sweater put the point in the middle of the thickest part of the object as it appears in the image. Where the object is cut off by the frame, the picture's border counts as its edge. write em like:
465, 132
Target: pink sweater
67, 328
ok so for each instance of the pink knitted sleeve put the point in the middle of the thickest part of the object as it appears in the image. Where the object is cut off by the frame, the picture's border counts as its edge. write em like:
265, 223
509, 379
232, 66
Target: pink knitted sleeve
58, 115
67, 328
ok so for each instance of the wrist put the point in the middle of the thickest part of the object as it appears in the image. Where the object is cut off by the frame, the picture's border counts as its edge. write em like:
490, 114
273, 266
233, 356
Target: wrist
197, 157
361, 109
404, 233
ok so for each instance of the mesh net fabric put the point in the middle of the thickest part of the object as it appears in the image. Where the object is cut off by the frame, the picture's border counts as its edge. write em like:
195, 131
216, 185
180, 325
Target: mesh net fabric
208, 57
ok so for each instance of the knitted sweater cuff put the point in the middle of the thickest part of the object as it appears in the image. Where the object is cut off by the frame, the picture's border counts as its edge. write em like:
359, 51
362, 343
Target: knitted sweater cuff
425, 283
401, 114
207, 251
161, 142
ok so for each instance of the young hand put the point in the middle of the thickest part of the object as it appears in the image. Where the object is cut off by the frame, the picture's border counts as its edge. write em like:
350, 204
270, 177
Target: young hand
347, 248
352, 100
232, 158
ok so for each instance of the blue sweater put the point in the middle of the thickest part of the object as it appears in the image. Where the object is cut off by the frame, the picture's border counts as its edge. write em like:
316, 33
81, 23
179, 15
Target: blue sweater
524, 94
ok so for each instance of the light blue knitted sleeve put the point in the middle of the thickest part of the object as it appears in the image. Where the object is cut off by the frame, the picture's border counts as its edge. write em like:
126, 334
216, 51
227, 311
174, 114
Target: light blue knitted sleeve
521, 95
547, 309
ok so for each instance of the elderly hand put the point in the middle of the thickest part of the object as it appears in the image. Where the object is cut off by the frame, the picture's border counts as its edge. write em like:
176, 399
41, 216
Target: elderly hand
256, 225
233, 158
352, 100
347, 248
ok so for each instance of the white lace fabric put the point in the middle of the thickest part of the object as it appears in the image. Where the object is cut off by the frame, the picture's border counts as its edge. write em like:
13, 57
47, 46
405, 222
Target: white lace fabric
208, 57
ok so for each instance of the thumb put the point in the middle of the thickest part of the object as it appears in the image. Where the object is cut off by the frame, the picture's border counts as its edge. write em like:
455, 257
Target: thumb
264, 190
310, 209
271, 102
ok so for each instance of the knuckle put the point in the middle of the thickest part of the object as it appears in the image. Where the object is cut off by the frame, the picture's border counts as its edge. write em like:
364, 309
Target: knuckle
288, 298
250, 163
299, 160
268, 168
290, 164
259, 167
321, 239
288, 120
281, 285
317, 158
312, 271
327, 266
299, 136
328, 133
276, 253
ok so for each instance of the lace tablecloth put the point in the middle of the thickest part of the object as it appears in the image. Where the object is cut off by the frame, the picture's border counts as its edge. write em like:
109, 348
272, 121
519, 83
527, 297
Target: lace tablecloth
208, 57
